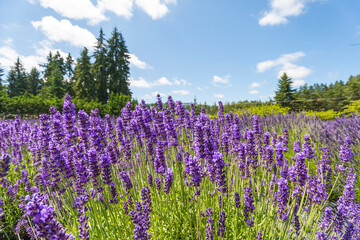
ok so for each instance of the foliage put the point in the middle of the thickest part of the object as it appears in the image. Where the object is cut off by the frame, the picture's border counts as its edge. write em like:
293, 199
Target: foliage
284, 94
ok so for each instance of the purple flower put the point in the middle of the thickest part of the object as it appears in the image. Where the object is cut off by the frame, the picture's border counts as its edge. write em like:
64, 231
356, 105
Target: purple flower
210, 229
158, 182
219, 166
168, 181
159, 161
283, 196
150, 179
193, 169
297, 146
327, 220
105, 166
42, 218
237, 200
308, 151
221, 229
321, 236
298, 173
4, 165
141, 216
259, 235
249, 206
346, 154
125, 177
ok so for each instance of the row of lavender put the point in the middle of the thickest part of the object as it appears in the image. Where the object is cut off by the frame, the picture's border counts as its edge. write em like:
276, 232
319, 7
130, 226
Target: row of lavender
167, 173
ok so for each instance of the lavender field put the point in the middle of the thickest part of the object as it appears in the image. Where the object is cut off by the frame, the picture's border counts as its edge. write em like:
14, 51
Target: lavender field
166, 172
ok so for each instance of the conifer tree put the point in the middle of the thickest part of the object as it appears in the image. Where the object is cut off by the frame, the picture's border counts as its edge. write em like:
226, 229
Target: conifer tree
84, 81
69, 73
34, 82
285, 94
1, 74
17, 80
99, 69
55, 83
118, 64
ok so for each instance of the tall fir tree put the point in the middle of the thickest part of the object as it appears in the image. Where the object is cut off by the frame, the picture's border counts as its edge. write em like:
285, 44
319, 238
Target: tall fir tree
34, 82
54, 72
84, 81
99, 68
69, 73
17, 80
1, 75
55, 83
118, 64
285, 94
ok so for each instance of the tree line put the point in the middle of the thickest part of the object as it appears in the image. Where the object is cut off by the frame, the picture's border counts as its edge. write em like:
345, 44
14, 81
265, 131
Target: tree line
318, 97
94, 77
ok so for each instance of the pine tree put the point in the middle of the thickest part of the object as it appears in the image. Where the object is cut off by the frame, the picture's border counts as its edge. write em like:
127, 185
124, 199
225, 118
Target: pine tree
54, 72
17, 80
118, 64
56, 83
99, 69
34, 82
285, 94
1, 74
84, 81
69, 75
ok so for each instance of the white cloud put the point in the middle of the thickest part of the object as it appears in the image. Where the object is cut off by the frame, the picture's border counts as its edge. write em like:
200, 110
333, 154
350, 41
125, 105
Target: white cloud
135, 61
254, 85
8, 55
154, 8
122, 8
298, 83
254, 91
183, 82
79, 9
162, 81
284, 64
181, 92
153, 95
280, 10
64, 31
217, 95
140, 83
85, 9
218, 81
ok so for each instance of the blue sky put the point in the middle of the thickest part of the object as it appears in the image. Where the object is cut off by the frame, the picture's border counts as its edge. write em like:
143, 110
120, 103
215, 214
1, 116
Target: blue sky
213, 50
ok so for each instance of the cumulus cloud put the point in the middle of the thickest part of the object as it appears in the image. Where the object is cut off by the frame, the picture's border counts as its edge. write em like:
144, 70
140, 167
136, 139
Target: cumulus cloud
181, 92
135, 61
284, 64
79, 9
122, 8
298, 83
254, 85
139, 83
85, 9
154, 8
8, 55
163, 81
218, 81
64, 31
183, 82
217, 95
153, 95
254, 91
280, 10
